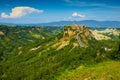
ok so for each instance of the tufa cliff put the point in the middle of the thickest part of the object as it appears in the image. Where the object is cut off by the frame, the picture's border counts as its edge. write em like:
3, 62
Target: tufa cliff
78, 35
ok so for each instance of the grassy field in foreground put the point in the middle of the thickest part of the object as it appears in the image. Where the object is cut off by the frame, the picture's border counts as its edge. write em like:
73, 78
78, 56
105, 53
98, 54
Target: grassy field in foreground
109, 70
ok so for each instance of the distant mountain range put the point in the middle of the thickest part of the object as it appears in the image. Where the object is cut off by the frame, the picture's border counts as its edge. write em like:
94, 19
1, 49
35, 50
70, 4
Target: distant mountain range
90, 23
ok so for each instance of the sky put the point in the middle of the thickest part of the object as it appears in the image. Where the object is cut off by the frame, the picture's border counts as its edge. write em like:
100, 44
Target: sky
43, 11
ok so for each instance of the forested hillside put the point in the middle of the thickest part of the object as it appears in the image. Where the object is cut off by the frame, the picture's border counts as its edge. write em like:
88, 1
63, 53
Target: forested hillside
16, 38
54, 53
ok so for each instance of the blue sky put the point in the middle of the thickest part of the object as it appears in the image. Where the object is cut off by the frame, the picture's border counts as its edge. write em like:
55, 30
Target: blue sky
42, 11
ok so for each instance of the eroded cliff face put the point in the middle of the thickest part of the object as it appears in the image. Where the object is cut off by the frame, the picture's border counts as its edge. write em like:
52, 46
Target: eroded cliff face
78, 34
105, 34
71, 31
1, 33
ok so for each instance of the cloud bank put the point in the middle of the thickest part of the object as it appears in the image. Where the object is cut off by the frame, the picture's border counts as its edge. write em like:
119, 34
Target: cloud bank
20, 12
75, 14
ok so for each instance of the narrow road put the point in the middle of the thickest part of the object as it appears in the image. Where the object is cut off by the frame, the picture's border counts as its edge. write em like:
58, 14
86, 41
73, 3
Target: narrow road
79, 40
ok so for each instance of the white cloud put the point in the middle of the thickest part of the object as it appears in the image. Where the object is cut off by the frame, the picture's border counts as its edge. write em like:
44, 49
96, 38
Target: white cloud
20, 11
75, 14
75, 17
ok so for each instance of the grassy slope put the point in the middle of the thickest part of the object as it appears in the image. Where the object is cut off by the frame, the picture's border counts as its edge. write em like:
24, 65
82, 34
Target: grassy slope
108, 70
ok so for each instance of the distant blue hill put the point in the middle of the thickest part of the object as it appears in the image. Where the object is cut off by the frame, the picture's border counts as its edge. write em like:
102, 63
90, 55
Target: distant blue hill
90, 23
